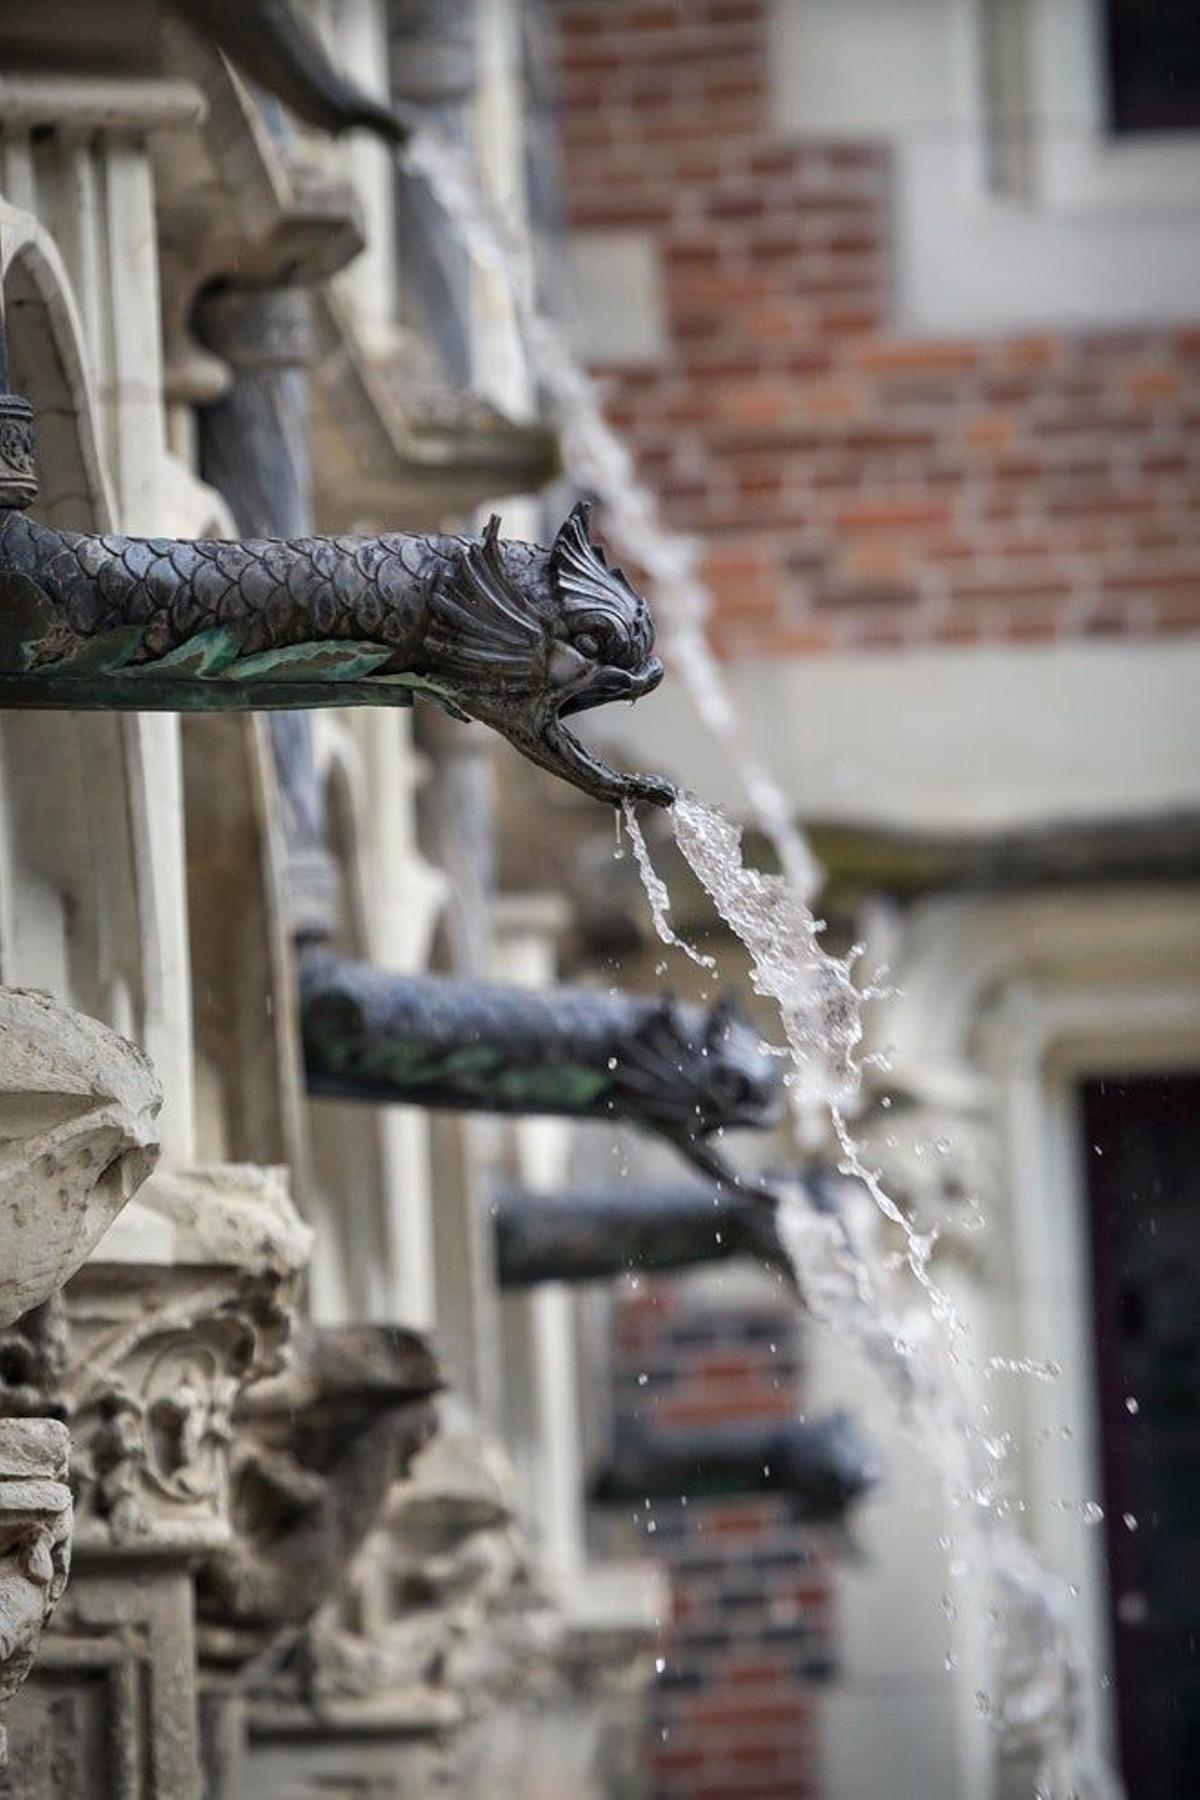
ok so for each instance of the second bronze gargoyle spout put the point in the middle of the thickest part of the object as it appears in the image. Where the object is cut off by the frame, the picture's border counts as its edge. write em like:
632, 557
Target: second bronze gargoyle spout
515, 635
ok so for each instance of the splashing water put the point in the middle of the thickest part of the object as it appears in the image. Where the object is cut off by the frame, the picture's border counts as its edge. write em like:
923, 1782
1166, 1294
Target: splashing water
922, 1358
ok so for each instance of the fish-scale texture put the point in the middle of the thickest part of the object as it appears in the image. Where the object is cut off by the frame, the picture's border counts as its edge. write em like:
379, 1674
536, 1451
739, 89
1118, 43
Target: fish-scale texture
275, 593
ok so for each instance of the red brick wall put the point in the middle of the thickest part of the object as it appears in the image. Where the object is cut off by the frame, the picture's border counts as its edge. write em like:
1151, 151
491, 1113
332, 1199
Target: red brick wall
856, 488
750, 1640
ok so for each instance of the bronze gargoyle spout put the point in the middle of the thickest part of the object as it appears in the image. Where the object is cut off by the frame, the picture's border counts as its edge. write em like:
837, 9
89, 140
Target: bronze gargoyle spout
596, 1234
686, 1073
515, 635
822, 1466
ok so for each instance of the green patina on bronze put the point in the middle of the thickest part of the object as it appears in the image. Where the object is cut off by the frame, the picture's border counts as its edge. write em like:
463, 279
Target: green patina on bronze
514, 635
687, 1073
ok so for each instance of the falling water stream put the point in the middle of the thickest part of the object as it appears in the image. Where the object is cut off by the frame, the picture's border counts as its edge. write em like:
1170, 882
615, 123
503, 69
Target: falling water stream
923, 1355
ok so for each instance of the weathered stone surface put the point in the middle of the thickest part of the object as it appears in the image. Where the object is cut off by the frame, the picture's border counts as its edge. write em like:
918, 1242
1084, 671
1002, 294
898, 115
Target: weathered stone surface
190, 1300
187, 1300
77, 1138
461, 1623
35, 1545
317, 1451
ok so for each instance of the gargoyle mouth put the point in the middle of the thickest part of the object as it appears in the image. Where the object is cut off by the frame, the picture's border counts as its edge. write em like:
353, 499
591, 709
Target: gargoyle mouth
560, 751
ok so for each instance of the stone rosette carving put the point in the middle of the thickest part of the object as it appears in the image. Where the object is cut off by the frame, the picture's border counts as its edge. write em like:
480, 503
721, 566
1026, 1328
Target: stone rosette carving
35, 1544
77, 1139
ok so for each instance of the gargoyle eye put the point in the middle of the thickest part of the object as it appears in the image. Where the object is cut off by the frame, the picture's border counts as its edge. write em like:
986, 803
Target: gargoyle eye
588, 644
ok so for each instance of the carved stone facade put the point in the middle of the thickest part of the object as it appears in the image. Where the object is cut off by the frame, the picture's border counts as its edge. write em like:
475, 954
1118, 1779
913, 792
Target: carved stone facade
154, 1341
35, 1546
282, 1577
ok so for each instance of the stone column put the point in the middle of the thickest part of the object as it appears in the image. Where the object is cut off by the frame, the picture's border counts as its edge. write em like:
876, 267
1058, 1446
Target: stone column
254, 439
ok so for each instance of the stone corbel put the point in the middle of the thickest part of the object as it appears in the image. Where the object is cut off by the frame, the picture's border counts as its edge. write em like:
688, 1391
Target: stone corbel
77, 1139
392, 437
35, 1544
316, 1453
230, 204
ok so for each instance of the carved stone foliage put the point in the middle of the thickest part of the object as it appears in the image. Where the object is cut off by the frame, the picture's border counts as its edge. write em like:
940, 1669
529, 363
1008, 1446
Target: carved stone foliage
316, 1453
149, 1348
77, 1138
35, 1544
18, 467
514, 635
145, 1356
160, 1351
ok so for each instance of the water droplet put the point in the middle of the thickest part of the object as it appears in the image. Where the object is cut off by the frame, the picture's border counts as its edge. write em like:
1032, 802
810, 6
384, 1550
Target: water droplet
1129, 1520
643, 1378
660, 1663
1131, 1405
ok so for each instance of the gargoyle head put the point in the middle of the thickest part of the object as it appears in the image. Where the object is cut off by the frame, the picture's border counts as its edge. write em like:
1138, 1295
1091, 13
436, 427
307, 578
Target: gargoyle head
692, 1072
523, 637
830, 1464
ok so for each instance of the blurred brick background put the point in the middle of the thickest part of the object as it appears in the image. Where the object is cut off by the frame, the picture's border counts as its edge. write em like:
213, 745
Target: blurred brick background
750, 1640
853, 488
856, 488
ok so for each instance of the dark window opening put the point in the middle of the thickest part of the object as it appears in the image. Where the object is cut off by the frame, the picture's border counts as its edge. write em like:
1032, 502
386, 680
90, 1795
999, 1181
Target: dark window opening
1153, 51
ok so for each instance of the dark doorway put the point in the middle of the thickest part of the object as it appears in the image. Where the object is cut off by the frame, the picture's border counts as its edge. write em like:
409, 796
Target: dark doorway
1142, 1150
1153, 65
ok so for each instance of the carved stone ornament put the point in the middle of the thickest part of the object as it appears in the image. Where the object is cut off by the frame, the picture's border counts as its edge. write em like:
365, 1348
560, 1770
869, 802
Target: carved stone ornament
597, 1234
823, 1467
514, 635
18, 464
148, 1351
684, 1072
315, 1455
77, 1139
35, 1544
